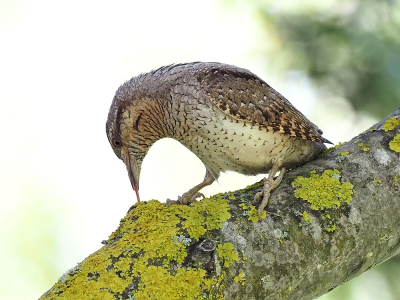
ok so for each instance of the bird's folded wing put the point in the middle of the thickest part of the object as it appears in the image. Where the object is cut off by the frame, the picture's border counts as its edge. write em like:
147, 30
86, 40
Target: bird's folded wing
244, 96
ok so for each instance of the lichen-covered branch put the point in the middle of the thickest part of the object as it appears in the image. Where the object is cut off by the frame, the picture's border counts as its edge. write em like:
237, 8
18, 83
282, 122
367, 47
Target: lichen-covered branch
328, 221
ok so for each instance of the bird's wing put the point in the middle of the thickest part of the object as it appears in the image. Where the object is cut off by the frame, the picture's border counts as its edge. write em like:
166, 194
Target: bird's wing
244, 96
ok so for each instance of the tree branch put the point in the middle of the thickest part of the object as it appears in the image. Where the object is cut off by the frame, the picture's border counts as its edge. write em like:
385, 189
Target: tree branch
301, 249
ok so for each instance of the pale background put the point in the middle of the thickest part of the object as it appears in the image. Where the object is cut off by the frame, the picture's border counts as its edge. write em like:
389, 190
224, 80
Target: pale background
62, 189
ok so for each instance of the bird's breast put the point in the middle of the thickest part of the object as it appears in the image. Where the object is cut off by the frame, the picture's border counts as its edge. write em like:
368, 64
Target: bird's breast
223, 143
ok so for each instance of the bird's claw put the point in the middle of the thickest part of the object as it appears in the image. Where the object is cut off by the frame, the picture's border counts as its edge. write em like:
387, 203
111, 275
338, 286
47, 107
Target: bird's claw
260, 193
185, 199
269, 185
265, 194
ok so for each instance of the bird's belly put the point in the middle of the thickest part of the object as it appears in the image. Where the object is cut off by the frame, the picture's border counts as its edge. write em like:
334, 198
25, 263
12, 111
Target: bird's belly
239, 146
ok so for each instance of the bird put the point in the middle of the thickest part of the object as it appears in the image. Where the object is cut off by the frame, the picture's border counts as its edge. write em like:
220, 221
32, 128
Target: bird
230, 118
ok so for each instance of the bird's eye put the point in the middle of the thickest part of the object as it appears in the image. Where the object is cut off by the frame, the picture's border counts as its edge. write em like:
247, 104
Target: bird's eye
117, 143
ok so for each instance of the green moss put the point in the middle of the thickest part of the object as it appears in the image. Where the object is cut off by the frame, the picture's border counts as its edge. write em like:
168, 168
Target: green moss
140, 252
306, 217
395, 144
252, 212
227, 254
391, 124
323, 191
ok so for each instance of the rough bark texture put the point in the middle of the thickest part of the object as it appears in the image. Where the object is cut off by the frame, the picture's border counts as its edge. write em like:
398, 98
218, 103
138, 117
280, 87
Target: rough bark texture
296, 252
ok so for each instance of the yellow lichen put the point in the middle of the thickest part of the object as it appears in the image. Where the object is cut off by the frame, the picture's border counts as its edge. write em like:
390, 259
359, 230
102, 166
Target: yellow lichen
323, 191
158, 283
306, 217
227, 254
377, 180
141, 250
231, 196
363, 147
391, 124
395, 143
254, 185
343, 153
326, 151
252, 212
203, 216
241, 278
332, 228
395, 177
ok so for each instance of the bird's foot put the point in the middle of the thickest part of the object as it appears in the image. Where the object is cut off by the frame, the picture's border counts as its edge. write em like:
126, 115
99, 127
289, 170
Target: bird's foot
185, 199
269, 185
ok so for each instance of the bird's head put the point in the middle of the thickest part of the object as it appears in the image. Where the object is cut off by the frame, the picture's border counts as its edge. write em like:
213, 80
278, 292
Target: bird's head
127, 129
125, 139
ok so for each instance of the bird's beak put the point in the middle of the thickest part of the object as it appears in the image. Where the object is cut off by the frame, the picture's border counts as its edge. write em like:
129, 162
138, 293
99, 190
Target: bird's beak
134, 173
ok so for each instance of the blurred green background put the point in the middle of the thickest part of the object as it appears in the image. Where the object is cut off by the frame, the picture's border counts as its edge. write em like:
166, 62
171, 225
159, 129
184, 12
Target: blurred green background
62, 190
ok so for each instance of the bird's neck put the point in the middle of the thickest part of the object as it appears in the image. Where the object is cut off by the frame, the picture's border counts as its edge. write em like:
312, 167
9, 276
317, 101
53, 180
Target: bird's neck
152, 124
163, 119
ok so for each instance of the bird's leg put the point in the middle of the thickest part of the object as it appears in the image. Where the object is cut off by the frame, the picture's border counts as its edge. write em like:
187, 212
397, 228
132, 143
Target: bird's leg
192, 194
269, 185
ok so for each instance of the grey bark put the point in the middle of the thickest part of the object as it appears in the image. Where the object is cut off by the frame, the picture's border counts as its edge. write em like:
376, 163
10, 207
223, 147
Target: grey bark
290, 258
311, 261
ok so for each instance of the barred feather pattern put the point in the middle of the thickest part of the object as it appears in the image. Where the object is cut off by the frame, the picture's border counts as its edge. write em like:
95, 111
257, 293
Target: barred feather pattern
244, 96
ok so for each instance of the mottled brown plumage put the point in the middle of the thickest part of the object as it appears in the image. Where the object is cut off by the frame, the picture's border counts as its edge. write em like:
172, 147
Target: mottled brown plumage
246, 97
230, 118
